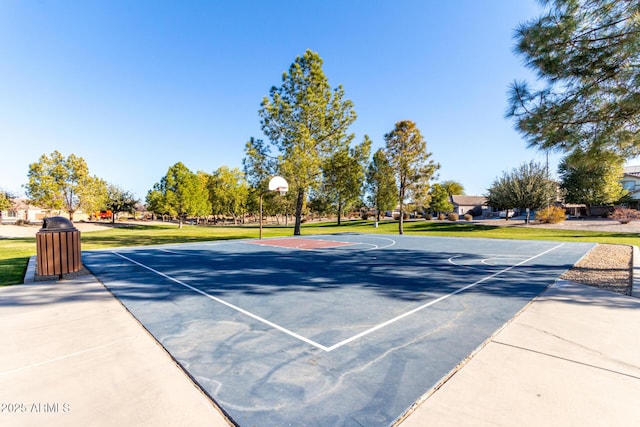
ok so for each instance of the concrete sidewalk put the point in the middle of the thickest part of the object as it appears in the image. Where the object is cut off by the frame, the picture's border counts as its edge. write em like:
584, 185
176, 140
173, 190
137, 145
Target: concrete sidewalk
571, 358
72, 355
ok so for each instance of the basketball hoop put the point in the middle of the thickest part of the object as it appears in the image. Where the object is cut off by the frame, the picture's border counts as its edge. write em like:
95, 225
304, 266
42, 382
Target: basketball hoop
279, 184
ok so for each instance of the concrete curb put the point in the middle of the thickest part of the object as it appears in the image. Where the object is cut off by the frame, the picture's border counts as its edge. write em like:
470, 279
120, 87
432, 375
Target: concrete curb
30, 274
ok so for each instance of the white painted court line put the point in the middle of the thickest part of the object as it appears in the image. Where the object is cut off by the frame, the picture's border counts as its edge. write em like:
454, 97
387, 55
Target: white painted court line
355, 337
171, 252
437, 300
488, 261
216, 299
393, 242
374, 246
482, 261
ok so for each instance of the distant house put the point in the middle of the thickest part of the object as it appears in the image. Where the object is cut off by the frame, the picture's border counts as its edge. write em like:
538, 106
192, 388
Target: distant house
474, 205
631, 182
21, 210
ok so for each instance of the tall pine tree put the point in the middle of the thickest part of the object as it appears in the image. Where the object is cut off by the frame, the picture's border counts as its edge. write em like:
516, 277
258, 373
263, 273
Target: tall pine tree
381, 185
587, 57
407, 152
307, 122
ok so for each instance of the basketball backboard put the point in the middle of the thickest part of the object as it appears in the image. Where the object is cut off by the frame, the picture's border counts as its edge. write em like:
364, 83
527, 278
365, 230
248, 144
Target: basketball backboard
278, 183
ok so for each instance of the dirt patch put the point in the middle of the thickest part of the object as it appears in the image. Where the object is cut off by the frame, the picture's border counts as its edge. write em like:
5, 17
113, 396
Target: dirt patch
606, 267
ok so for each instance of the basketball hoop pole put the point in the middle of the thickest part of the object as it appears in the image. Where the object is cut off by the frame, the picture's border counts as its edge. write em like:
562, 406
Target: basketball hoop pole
261, 194
277, 183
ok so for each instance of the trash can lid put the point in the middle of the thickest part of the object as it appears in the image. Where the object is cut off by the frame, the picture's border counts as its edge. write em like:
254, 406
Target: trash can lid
57, 223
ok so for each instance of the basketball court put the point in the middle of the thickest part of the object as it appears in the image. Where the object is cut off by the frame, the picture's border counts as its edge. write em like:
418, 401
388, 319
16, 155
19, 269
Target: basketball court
347, 329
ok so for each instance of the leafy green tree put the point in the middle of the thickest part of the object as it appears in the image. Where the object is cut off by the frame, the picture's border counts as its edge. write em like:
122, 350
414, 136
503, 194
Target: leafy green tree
440, 199
381, 185
407, 152
95, 194
453, 188
592, 177
526, 186
5, 202
343, 175
587, 54
532, 187
205, 208
63, 183
258, 164
119, 200
180, 193
228, 192
499, 196
259, 167
306, 122
156, 202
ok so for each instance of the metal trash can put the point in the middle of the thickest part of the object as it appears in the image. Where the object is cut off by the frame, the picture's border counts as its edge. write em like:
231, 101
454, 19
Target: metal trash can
57, 247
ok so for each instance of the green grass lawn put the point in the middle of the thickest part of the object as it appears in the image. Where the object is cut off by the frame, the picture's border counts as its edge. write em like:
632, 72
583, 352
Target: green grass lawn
15, 253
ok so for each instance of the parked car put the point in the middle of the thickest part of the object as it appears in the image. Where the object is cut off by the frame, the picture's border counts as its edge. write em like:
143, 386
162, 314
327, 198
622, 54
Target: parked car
503, 214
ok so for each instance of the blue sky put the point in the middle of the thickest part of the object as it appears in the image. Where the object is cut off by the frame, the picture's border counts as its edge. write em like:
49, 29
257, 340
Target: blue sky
135, 86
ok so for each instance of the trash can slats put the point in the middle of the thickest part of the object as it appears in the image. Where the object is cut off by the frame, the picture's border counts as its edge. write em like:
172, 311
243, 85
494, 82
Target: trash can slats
58, 248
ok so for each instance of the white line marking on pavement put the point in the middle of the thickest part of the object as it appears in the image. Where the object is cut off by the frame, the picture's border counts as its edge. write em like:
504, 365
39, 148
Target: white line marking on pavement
437, 300
355, 337
216, 299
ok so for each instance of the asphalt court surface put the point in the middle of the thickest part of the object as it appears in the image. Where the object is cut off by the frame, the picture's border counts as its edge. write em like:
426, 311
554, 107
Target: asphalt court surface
347, 329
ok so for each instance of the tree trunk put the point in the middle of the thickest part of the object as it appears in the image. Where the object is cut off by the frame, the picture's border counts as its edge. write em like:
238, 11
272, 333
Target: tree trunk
299, 202
339, 212
401, 193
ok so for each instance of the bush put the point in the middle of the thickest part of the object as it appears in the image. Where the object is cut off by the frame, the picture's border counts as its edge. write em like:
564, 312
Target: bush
428, 217
624, 215
441, 217
365, 216
453, 216
476, 211
551, 215
468, 217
